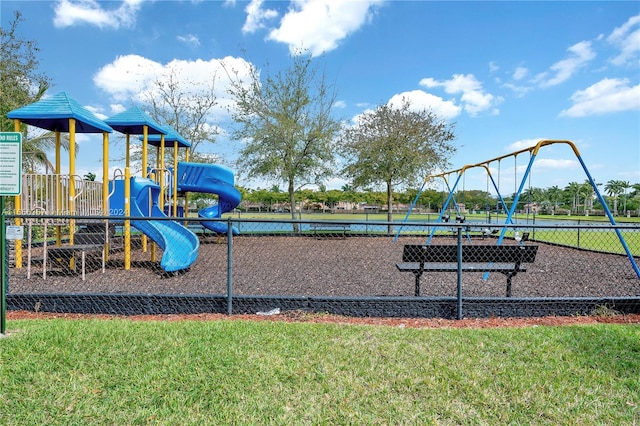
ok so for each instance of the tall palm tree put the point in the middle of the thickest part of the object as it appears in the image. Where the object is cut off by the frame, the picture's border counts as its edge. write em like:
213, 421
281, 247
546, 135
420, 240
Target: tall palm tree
614, 189
34, 151
573, 189
624, 186
636, 194
587, 190
553, 194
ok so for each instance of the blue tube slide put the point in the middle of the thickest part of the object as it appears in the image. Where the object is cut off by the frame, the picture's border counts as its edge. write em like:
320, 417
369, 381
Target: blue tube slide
211, 179
179, 245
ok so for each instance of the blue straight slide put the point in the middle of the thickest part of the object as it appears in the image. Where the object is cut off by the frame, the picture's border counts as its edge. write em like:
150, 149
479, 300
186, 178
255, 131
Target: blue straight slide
179, 245
211, 179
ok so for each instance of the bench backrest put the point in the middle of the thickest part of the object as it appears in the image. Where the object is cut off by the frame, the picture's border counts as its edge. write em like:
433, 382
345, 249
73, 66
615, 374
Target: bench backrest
470, 254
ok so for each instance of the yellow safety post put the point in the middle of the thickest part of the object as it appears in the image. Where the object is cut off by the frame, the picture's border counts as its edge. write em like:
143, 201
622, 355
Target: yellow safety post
145, 136
175, 178
105, 189
162, 171
186, 195
18, 206
153, 177
127, 223
127, 156
72, 184
58, 190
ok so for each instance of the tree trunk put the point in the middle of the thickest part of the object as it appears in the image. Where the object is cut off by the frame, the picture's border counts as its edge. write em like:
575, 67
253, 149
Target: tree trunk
389, 207
292, 203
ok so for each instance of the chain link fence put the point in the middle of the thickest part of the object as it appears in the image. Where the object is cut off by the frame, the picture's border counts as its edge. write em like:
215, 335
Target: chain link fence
360, 268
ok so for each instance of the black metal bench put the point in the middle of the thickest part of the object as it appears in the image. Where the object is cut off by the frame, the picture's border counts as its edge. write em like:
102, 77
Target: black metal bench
325, 229
505, 259
64, 255
89, 239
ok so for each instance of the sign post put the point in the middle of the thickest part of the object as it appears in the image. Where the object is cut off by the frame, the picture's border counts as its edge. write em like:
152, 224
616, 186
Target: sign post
10, 184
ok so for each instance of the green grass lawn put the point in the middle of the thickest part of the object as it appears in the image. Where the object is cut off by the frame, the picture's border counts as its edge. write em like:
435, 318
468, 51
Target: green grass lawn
83, 372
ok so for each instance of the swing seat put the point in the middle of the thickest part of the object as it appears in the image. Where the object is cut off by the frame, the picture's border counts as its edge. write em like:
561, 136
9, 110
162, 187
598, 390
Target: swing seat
486, 232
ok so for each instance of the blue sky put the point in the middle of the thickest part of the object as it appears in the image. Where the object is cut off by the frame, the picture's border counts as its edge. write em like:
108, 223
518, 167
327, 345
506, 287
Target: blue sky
506, 73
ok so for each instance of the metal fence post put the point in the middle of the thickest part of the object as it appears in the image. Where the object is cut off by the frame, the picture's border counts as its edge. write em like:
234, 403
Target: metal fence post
229, 267
4, 258
459, 304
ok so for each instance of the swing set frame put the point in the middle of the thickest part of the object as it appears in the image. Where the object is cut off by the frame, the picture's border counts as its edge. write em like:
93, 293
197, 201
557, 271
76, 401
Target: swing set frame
533, 151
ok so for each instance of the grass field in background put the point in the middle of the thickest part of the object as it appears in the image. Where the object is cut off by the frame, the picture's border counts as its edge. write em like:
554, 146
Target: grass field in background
597, 240
243, 372
399, 217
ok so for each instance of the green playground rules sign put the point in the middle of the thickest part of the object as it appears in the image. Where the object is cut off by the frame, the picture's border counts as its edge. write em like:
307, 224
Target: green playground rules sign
10, 163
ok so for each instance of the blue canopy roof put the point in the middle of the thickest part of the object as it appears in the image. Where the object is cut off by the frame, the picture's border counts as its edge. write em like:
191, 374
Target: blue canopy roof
171, 136
132, 122
54, 113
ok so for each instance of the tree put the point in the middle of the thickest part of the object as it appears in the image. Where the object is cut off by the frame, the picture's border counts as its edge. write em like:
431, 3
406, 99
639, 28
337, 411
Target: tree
573, 190
20, 80
624, 186
635, 195
395, 146
34, 151
553, 193
614, 188
286, 119
184, 107
22, 85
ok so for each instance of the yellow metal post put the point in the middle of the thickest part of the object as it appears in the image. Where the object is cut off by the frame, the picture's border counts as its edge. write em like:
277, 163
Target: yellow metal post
18, 207
155, 177
127, 156
58, 189
145, 136
175, 178
72, 184
105, 187
105, 173
72, 173
162, 172
186, 195
127, 223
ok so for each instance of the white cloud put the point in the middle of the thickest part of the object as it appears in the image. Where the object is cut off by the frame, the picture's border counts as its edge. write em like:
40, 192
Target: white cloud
256, 16
420, 99
475, 102
554, 164
130, 77
519, 91
97, 111
520, 73
127, 76
190, 39
320, 25
606, 96
75, 12
117, 108
523, 144
473, 98
579, 55
627, 39
458, 83
340, 104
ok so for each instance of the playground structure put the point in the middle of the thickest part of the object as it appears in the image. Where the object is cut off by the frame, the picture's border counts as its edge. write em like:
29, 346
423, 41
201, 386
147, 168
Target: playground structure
511, 211
95, 208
